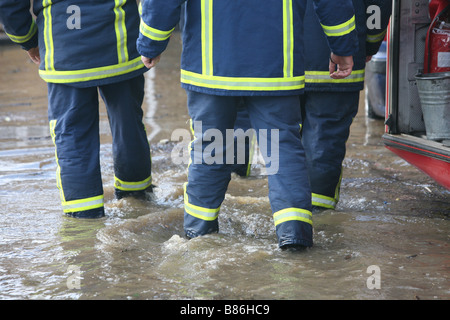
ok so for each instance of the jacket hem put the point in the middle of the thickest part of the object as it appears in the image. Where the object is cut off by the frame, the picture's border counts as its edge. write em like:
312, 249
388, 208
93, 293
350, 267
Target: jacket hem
104, 81
299, 242
239, 93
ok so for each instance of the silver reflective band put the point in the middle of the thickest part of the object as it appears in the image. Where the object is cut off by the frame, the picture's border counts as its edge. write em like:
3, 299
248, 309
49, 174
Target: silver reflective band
154, 34
207, 214
199, 212
236, 83
324, 77
323, 201
288, 38
121, 32
25, 38
341, 29
291, 214
91, 74
207, 36
373, 38
132, 186
83, 204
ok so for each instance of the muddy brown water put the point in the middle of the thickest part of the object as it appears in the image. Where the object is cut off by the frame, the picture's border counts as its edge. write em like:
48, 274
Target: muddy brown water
387, 239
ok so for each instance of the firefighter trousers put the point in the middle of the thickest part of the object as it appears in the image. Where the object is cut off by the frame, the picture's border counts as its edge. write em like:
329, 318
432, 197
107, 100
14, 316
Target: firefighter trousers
74, 126
276, 121
245, 140
327, 117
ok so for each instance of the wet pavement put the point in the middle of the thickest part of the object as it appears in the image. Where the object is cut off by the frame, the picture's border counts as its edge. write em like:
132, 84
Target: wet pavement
387, 239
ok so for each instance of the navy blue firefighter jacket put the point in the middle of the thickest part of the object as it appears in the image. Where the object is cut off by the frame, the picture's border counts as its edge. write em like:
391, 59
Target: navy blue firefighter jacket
81, 42
371, 21
244, 47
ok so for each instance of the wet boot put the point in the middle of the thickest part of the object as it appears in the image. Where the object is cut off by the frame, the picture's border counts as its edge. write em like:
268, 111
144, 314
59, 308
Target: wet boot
88, 214
293, 247
140, 194
294, 234
318, 209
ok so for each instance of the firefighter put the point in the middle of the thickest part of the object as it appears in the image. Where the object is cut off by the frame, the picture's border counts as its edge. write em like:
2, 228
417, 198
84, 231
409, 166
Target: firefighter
237, 51
85, 47
329, 105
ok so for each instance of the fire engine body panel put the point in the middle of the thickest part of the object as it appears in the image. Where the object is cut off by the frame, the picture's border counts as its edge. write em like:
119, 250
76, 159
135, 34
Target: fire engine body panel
412, 54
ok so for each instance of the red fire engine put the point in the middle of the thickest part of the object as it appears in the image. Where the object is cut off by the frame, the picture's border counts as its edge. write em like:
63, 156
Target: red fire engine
418, 86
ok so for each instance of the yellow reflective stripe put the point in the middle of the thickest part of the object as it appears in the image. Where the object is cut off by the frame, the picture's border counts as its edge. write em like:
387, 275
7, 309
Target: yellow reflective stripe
251, 153
207, 36
324, 77
83, 204
288, 39
338, 187
154, 34
191, 126
323, 201
73, 205
52, 126
374, 38
199, 212
132, 186
340, 29
121, 31
242, 83
91, 74
48, 35
25, 38
292, 214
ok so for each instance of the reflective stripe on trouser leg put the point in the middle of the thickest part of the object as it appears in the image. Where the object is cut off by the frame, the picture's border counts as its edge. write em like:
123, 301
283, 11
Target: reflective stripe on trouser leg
83, 204
323, 201
208, 173
276, 120
245, 140
199, 220
74, 127
132, 186
293, 221
131, 150
292, 214
326, 127
320, 200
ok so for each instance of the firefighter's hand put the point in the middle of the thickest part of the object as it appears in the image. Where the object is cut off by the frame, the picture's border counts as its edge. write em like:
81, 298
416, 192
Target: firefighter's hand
344, 66
150, 62
33, 53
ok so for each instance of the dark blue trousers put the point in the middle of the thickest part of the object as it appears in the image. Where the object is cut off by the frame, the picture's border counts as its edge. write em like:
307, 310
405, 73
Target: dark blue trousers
327, 117
276, 121
244, 142
74, 126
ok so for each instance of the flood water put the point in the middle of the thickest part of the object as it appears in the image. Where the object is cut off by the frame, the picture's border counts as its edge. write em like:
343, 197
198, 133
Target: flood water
391, 224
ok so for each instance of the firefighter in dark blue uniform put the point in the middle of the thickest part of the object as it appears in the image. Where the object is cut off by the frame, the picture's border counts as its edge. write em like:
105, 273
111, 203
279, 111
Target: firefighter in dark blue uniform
329, 105
252, 53
86, 47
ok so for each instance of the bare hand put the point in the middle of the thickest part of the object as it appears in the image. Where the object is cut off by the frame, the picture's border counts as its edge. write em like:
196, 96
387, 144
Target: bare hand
34, 55
344, 66
150, 62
